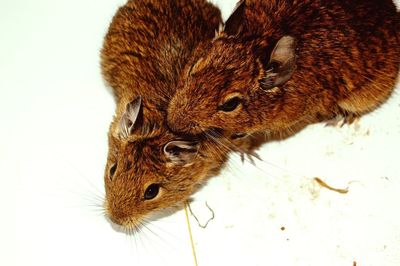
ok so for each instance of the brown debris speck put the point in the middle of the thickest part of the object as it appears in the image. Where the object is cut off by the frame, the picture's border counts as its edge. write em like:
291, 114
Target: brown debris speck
325, 185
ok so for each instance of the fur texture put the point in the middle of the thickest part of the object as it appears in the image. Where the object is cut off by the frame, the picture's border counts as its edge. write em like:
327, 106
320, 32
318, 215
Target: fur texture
144, 52
347, 57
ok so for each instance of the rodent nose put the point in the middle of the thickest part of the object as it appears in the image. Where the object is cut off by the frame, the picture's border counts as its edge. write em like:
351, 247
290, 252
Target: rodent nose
117, 215
114, 220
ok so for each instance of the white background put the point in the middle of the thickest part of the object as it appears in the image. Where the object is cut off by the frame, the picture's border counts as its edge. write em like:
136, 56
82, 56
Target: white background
55, 113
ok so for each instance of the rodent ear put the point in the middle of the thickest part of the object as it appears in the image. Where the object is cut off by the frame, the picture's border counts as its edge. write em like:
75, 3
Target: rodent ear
128, 119
235, 21
282, 63
180, 152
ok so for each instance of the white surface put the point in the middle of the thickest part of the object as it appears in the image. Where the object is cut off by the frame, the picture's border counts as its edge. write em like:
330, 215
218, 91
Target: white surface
55, 113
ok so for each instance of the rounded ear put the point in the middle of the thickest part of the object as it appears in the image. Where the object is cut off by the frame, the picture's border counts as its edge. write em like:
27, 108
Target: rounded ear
235, 21
128, 119
180, 152
282, 63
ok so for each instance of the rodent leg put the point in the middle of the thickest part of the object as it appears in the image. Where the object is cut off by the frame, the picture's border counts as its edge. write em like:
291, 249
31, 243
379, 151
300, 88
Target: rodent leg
367, 98
247, 145
250, 155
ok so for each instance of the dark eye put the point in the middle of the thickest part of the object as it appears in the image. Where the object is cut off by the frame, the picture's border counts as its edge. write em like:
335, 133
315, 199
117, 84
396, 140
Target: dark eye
230, 105
273, 66
112, 171
151, 191
238, 135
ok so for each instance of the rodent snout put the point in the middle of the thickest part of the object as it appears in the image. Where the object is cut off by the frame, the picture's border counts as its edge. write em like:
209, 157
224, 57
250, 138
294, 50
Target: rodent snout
120, 215
117, 217
114, 220
120, 218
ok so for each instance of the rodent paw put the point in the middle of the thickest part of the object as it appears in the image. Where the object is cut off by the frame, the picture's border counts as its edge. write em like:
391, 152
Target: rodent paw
342, 119
249, 156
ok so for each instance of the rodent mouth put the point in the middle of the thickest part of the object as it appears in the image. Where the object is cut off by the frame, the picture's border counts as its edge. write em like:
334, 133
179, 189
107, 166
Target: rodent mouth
124, 225
120, 221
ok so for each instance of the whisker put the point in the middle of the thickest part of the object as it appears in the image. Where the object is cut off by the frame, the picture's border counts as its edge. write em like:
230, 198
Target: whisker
154, 225
218, 155
236, 168
217, 141
94, 198
154, 247
70, 165
134, 234
139, 233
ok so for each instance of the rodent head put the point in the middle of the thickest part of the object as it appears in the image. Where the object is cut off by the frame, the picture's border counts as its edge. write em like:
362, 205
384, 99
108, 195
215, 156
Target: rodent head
149, 168
231, 79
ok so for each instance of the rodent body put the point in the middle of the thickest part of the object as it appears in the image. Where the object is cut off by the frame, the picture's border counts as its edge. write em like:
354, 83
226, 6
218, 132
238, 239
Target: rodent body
280, 64
149, 167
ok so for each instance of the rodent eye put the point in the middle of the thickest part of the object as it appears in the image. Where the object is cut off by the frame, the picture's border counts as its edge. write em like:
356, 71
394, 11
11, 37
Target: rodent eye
112, 171
151, 191
238, 135
230, 105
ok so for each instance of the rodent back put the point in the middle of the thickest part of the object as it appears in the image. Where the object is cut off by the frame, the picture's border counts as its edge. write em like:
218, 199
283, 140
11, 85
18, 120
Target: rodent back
341, 47
148, 43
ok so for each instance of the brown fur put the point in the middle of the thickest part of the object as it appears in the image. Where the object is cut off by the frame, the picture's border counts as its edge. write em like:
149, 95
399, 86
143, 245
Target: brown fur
145, 50
348, 57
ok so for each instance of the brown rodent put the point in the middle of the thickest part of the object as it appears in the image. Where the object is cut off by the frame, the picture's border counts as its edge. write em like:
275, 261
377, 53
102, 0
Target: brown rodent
283, 64
144, 52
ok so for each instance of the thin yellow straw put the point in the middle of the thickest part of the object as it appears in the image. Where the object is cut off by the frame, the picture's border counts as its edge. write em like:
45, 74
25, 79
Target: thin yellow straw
190, 234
